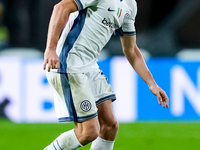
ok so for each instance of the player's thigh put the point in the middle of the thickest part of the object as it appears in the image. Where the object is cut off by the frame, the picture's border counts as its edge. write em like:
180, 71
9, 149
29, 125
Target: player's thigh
106, 114
91, 125
87, 131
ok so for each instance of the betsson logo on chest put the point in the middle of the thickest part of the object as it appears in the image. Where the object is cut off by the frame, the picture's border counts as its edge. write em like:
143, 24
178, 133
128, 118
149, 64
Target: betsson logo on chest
110, 24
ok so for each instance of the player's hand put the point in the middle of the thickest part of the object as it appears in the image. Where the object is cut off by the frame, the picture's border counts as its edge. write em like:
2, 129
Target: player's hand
161, 95
52, 59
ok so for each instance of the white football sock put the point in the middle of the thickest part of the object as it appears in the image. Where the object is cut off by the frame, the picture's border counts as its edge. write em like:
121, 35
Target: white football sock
101, 144
66, 141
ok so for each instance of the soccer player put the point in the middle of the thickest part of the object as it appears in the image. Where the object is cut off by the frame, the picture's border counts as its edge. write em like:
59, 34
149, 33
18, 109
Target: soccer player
82, 93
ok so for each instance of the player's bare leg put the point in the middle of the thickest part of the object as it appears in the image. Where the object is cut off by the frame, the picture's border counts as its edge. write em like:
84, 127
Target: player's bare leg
108, 123
87, 131
108, 127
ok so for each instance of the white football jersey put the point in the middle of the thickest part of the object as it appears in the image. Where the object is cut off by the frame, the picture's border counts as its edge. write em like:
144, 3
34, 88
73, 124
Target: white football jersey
90, 28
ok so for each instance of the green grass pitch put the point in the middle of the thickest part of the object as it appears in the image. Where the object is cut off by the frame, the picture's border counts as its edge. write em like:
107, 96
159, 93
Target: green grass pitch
131, 136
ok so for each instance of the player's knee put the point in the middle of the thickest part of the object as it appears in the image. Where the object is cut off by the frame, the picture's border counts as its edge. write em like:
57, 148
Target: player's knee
114, 126
91, 134
111, 126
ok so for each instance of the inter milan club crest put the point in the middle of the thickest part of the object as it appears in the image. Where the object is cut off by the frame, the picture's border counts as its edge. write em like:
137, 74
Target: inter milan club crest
86, 105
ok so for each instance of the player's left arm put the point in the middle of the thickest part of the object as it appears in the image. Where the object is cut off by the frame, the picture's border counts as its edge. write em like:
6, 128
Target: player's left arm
136, 60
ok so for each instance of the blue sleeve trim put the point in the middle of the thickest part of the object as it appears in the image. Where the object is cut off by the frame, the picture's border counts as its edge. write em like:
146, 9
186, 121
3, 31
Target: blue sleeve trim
79, 4
129, 33
120, 32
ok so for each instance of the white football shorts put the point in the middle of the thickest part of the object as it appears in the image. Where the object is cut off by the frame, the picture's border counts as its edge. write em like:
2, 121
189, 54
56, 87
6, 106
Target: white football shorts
77, 95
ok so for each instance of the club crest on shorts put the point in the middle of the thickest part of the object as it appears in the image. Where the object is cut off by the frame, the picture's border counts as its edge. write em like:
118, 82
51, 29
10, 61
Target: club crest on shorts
86, 105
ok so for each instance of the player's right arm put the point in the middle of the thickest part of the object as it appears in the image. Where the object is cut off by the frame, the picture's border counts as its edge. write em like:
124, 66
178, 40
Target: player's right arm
135, 58
58, 19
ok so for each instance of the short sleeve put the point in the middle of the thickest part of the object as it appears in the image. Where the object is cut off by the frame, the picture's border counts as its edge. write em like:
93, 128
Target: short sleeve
82, 4
128, 27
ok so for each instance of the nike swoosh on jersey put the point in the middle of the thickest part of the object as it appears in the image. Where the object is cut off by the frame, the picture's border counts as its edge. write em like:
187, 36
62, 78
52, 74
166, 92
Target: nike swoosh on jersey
110, 9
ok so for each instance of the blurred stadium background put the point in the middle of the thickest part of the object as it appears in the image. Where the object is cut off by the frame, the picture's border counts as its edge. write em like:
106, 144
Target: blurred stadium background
168, 34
